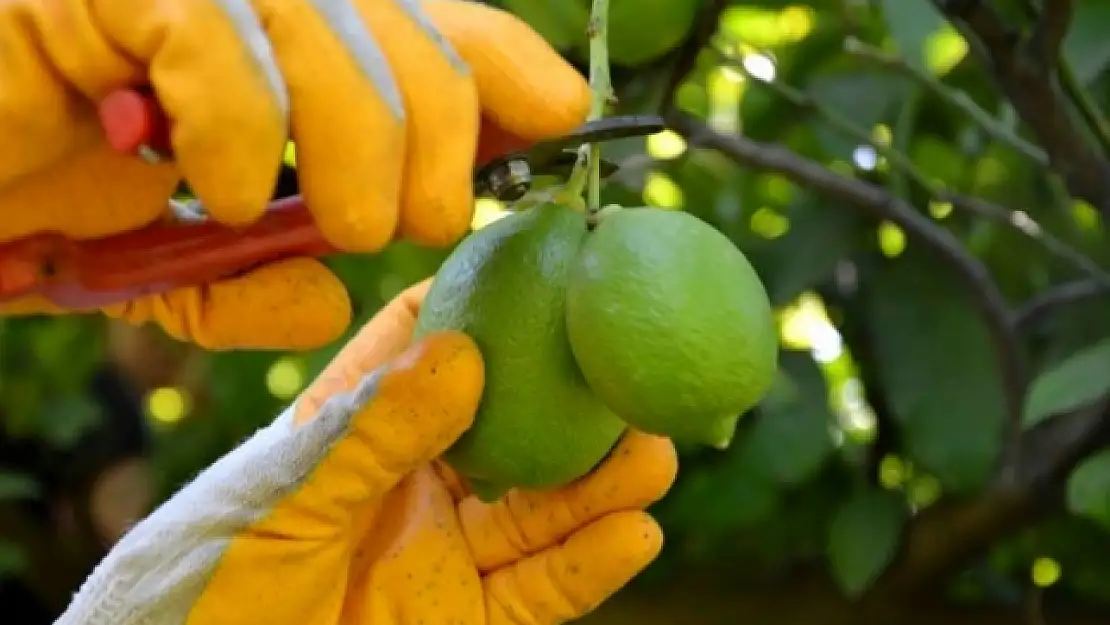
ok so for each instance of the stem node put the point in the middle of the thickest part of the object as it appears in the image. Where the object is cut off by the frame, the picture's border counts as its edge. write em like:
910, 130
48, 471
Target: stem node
588, 166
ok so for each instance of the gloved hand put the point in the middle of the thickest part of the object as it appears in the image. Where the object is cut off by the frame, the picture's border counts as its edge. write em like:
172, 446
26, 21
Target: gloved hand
383, 98
338, 514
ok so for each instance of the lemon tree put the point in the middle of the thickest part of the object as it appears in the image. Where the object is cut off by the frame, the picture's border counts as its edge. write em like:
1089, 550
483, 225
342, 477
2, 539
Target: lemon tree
925, 204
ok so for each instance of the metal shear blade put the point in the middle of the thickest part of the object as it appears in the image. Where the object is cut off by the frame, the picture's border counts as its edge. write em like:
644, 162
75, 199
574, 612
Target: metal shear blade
509, 177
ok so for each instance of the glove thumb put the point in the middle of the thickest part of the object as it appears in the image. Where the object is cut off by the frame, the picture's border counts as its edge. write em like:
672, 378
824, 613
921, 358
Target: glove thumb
392, 420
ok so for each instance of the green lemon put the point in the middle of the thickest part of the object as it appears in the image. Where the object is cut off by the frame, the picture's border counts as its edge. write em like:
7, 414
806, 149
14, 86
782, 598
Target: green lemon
671, 325
538, 425
640, 31
561, 22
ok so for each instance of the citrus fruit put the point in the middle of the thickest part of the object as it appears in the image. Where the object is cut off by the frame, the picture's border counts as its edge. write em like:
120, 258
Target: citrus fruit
640, 31
670, 324
561, 22
538, 425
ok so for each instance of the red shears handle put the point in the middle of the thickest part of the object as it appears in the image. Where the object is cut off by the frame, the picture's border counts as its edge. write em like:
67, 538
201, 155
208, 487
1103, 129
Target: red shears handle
95, 273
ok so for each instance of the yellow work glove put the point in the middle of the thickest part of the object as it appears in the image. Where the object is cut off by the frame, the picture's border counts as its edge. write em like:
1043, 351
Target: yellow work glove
383, 98
339, 513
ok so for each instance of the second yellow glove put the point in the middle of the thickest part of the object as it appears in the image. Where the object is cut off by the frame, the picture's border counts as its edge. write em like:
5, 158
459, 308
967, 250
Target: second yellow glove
383, 98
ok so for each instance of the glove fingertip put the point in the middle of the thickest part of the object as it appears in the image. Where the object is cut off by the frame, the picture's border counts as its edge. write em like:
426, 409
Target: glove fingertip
569, 581
430, 392
524, 84
610, 553
236, 313
653, 460
448, 362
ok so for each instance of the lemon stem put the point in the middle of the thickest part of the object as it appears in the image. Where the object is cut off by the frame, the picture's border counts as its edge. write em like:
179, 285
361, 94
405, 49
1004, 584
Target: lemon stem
587, 170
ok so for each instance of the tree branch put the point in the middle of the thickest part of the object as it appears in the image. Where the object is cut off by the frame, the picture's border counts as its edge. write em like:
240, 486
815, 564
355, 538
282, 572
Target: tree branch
945, 537
1055, 446
1016, 220
686, 56
1037, 308
953, 97
1051, 29
1022, 76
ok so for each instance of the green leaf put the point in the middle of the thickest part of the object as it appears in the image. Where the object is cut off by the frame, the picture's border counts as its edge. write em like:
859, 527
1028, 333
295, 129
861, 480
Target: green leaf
66, 419
712, 192
18, 486
937, 365
937, 159
911, 23
789, 439
864, 538
720, 499
1087, 47
1089, 489
1078, 380
821, 234
860, 97
12, 559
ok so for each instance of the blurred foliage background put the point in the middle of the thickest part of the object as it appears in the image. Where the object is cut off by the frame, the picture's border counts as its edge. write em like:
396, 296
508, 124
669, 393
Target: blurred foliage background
922, 185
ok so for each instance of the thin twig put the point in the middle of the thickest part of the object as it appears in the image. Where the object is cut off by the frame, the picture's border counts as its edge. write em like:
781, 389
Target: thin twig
1066, 294
1050, 28
686, 56
954, 97
1086, 106
1016, 220
1033, 94
1023, 223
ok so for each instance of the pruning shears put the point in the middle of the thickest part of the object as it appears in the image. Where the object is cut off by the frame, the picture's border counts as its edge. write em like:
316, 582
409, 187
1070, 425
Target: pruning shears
191, 250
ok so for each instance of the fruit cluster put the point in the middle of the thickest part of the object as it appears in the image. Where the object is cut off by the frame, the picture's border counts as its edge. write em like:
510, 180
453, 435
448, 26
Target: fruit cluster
651, 319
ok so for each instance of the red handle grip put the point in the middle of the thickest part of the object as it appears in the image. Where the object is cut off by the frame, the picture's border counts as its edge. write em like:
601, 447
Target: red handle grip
133, 121
161, 257
98, 272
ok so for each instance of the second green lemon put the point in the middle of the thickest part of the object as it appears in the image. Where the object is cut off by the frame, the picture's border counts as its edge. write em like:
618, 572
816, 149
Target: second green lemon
670, 324
539, 425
